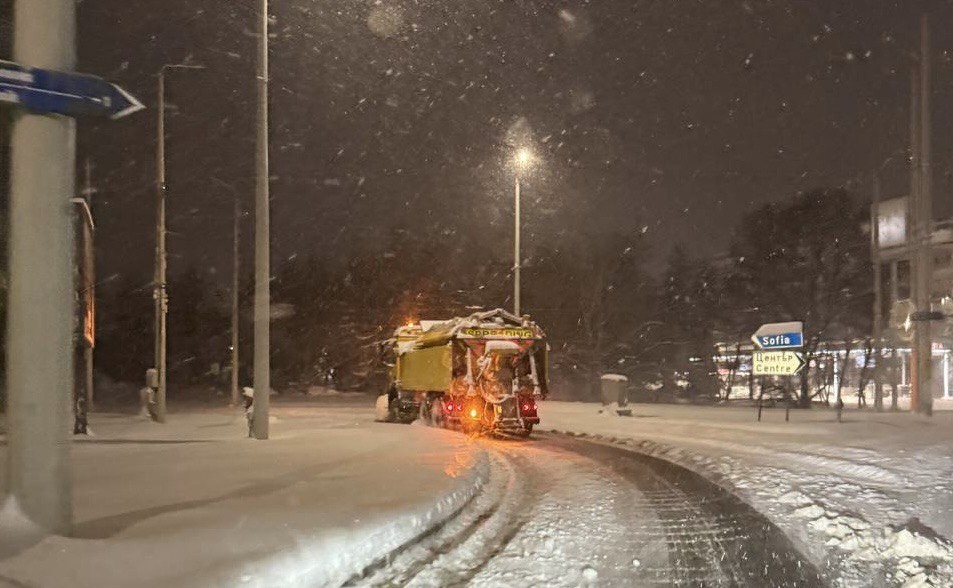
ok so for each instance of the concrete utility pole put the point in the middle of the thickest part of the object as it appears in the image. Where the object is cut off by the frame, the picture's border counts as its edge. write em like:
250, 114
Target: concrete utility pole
236, 267
41, 296
923, 403
516, 248
262, 383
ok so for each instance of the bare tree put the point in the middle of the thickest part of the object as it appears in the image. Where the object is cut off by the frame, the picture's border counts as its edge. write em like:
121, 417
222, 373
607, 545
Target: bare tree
806, 260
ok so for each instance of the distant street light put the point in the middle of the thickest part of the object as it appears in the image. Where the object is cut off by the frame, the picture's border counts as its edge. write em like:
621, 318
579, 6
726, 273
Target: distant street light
522, 161
159, 287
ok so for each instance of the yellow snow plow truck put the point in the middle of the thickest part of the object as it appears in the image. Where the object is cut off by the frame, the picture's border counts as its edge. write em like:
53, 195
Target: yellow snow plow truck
482, 373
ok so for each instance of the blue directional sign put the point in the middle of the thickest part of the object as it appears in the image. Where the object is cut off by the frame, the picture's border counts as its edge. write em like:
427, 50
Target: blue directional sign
788, 335
71, 94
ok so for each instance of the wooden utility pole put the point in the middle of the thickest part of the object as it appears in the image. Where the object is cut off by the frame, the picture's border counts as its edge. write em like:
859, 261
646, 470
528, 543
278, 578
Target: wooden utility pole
878, 294
922, 396
913, 223
262, 379
236, 267
160, 293
89, 287
87, 298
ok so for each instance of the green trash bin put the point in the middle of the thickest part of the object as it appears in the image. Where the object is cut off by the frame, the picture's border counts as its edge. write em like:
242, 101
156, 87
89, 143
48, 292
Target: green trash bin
615, 390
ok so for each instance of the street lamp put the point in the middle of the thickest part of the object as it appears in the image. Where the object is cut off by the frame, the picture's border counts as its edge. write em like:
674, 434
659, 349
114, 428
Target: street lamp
159, 286
521, 161
523, 158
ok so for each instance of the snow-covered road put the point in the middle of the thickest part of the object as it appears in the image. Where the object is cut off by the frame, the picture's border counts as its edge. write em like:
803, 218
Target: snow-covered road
562, 512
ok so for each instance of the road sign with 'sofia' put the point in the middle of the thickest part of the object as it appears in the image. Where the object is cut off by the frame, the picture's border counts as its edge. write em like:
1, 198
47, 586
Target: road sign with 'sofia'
788, 335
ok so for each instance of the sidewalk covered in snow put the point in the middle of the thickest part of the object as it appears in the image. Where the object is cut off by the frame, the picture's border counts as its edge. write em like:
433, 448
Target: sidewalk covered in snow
197, 503
869, 495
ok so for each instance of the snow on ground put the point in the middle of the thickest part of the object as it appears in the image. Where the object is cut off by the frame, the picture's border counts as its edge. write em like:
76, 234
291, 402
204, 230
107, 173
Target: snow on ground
547, 517
196, 503
869, 500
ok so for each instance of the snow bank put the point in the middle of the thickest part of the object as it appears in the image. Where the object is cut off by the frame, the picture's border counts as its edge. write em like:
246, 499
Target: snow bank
332, 558
16, 529
196, 503
851, 496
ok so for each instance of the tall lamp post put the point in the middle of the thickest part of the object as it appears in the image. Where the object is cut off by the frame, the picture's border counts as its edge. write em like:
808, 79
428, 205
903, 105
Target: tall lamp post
521, 160
159, 293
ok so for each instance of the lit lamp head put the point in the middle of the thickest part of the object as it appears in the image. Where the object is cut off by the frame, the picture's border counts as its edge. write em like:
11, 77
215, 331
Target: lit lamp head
523, 158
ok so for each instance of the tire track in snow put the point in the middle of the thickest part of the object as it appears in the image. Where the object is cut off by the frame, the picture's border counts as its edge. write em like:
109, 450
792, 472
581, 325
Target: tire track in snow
402, 566
575, 529
734, 545
558, 511
473, 553
697, 556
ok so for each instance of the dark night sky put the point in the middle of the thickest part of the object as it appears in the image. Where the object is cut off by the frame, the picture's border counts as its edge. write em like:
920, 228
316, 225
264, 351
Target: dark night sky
675, 116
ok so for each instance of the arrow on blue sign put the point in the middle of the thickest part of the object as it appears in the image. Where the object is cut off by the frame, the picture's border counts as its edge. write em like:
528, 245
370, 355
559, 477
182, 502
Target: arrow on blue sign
70, 94
788, 335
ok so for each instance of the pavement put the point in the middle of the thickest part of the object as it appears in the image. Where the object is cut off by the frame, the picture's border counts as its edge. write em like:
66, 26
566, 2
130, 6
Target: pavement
195, 502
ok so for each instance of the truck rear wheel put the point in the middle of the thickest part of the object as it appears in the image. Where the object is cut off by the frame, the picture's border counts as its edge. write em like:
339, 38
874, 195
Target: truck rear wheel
437, 418
431, 409
470, 427
526, 431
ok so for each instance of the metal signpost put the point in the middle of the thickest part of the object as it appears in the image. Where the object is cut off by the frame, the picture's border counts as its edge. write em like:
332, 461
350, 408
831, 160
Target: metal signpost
774, 358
